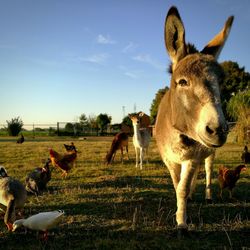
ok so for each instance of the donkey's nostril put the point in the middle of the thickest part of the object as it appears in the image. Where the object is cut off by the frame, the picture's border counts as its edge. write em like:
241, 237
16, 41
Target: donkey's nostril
209, 130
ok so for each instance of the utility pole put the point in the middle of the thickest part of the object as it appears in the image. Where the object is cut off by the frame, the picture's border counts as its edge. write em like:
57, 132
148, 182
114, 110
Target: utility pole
135, 108
123, 111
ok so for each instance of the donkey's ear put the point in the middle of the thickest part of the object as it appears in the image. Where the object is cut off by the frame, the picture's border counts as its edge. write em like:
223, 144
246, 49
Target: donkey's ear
215, 46
175, 36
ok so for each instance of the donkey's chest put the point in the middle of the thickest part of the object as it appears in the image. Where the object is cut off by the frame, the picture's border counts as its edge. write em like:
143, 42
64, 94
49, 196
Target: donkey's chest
183, 149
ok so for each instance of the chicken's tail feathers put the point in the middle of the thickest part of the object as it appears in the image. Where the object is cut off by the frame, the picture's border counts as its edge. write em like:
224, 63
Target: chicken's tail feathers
52, 153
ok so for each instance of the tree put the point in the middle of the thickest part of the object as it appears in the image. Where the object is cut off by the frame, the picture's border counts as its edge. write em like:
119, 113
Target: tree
126, 120
103, 120
83, 120
14, 126
236, 80
92, 120
69, 127
239, 109
155, 104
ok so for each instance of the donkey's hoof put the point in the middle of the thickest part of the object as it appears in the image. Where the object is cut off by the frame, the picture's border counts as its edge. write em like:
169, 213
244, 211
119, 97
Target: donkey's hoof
209, 201
182, 233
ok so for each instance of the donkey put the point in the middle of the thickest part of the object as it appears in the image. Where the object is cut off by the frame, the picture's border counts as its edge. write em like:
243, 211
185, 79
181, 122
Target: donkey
141, 138
190, 123
119, 142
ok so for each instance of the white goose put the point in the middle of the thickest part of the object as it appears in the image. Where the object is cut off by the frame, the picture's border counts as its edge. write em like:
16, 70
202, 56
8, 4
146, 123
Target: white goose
40, 222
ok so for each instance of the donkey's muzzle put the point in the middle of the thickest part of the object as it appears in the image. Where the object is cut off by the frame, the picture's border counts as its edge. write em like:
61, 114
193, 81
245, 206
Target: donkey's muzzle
214, 136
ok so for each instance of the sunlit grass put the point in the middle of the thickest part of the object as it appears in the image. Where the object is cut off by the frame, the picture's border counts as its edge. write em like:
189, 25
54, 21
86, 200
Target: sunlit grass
121, 207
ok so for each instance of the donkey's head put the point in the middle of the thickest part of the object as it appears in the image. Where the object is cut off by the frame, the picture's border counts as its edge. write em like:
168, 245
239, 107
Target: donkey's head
194, 90
136, 118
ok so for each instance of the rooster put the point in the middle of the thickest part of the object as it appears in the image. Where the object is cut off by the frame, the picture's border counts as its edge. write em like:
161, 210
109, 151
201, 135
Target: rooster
70, 147
63, 161
245, 157
227, 178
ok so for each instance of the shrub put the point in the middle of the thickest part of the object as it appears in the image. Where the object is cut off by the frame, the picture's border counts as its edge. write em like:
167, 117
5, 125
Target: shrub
14, 126
239, 109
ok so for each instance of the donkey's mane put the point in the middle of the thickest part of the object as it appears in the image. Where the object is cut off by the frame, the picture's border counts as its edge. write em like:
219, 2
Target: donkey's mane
191, 49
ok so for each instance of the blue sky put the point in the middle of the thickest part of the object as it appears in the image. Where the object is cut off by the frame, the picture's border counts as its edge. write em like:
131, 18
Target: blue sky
62, 58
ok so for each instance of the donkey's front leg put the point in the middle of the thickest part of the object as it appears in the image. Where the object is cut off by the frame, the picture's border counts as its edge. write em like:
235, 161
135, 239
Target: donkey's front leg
187, 172
121, 154
193, 184
209, 171
136, 157
141, 156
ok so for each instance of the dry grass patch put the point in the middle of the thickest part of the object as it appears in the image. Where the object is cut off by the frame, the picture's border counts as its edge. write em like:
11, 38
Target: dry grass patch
120, 207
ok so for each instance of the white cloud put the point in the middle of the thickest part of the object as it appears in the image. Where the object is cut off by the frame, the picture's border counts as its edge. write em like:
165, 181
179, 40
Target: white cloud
97, 58
105, 39
131, 74
146, 58
129, 48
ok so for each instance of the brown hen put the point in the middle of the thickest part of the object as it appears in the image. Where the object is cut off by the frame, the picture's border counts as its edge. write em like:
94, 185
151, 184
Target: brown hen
63, 161
227, 178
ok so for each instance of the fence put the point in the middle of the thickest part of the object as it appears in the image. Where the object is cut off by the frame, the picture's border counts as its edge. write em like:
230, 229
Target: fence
62, 129
75, 129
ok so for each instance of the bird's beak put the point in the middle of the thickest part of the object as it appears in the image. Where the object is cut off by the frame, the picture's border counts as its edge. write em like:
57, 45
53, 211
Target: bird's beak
10, 227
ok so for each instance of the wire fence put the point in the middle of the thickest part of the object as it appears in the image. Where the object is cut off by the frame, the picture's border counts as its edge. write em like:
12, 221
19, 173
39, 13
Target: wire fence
76, 130
65, 129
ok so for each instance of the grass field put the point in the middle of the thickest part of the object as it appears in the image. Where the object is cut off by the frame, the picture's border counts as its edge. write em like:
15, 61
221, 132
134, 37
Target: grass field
121, 207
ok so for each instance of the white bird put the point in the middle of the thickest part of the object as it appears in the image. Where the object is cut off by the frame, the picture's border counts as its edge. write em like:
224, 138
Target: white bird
40, 222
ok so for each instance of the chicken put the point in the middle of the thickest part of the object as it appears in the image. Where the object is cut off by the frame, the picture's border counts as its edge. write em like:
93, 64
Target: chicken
63, 161
12, 197
70, 147
245, 157
37, 180
227, 178
20, 140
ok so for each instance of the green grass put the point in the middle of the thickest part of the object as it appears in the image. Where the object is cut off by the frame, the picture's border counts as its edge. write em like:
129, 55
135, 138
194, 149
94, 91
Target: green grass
121, 207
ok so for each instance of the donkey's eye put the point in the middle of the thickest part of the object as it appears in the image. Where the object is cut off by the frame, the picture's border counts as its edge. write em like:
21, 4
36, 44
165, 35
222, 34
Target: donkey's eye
183, 82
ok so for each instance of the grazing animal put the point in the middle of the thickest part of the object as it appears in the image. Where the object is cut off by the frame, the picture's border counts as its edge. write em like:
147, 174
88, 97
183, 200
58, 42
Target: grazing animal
64, 162
141, 138
70, 148
119, 142
20, 140
37, 180
190, 123
12, 196
40, 222
245, 157
227, 178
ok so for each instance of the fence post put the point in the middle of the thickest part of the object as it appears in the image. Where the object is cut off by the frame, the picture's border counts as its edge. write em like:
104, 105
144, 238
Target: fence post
57, 128
33, 130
